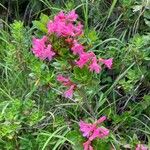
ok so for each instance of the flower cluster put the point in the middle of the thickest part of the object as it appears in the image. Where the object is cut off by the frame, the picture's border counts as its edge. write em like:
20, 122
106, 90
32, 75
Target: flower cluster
66, 82
41, 49
92, 131
65, 26
88, 58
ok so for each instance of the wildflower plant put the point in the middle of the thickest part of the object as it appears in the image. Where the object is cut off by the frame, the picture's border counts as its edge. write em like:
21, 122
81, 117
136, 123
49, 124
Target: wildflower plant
62, 43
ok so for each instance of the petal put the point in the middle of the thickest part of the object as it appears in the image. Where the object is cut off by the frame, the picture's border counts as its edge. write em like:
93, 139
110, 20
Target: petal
86, 128
86, 145
101, 119
69, 92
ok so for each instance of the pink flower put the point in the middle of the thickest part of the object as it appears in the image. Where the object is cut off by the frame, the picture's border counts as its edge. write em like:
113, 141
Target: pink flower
86, 128
87, 145
60, 78
94, 135
103, 132
78, 29
77, 48
141, 147
60, 28
91, 131
48, 52
101, 119
67, 29
66, 82
107, 62
84, 58
99, 133
51, 27
91, 148
40, 49
60, 17
95, 66
64, 25
63, 80
69, 92
72, 16
38, 45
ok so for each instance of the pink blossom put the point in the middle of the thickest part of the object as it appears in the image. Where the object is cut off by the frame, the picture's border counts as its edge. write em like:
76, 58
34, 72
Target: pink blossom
107, 62
60, 16
63, 80
78, 29
94, 135
101, 119
60, 28
64, 25
86, 128
91, 148
41, 50
103, 132
87, 145
51, 27
38, 45
95, 66
60, 78
69, 92
91, 131
48, 52
77, 48
84, 58
66, 82
72, 16
141, 147
99, 133
67, 29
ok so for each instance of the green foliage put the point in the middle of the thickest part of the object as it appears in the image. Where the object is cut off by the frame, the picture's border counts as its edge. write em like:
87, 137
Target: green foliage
82, 75
42, 23
77, 139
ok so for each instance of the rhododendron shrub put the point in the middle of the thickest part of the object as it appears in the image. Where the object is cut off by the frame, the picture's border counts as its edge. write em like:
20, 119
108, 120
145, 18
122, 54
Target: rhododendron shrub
62, 43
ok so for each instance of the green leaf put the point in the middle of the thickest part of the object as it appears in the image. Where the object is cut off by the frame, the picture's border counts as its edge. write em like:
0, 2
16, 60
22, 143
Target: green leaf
92, 36
40, 26
101, 145
44, 19
42, 23
82, 75
77, 139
